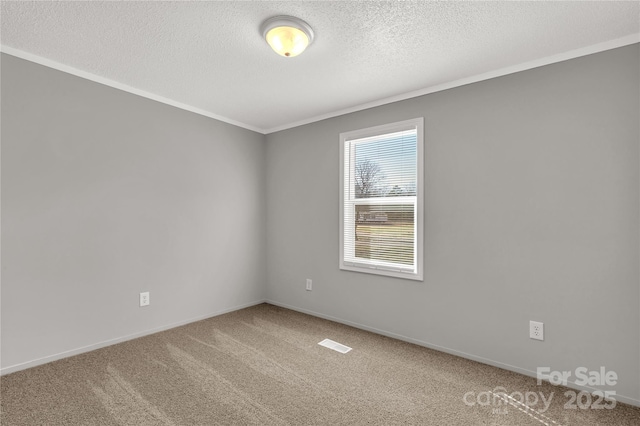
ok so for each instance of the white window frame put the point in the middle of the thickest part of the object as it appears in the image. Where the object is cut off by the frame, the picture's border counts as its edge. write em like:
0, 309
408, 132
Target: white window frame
346, 161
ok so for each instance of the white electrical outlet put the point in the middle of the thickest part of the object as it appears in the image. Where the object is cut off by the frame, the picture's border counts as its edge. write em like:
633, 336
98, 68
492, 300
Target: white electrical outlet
144, 298
309, 284
536, 330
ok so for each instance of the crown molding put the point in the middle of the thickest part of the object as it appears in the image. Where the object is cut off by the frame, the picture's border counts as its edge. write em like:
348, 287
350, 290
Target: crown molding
121, 86
571, 54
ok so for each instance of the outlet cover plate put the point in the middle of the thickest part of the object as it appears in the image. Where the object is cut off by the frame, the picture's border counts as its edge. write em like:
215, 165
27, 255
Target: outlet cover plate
144, 298
536, 330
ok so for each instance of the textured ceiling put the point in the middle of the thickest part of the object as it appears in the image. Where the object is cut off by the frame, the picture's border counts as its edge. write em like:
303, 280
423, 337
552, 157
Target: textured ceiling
209, 57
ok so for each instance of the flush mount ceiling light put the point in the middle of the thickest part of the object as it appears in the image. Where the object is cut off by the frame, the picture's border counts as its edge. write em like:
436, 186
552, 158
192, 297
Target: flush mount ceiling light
287, 36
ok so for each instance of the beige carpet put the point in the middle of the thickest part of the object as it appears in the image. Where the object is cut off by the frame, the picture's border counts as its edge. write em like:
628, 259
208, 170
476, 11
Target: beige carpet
263, 366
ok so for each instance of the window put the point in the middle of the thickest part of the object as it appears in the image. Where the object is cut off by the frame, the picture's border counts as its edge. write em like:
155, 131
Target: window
381, 199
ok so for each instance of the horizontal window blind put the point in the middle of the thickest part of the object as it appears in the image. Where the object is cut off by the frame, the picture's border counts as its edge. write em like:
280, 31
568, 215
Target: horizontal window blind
380, 201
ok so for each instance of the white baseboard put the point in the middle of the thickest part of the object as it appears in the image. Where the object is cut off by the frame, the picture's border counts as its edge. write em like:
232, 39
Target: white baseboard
570, 384
93, 347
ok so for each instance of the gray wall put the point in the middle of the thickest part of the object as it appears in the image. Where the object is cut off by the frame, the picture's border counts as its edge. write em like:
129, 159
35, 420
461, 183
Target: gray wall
106, 194
532, 213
